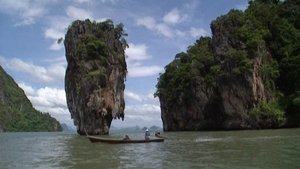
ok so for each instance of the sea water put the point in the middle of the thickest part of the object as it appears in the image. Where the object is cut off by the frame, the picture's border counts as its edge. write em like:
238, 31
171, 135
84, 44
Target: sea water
254, 149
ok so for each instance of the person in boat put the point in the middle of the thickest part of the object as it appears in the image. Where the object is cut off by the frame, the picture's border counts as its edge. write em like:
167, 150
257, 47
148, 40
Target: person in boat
126, 137
157, 134
147, 134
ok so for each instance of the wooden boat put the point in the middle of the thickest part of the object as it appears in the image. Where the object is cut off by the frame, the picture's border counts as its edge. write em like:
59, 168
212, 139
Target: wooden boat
95, 139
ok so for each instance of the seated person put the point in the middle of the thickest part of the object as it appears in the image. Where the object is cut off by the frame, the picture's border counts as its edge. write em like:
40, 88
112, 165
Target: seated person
157, 134
126, 137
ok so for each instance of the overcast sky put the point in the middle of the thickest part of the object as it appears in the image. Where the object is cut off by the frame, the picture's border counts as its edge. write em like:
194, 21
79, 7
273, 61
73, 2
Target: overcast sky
157, 31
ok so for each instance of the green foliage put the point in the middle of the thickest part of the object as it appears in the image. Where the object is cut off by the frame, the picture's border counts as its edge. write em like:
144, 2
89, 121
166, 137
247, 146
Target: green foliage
268, 111
59, 41
99, 28
95, 48
293, 102
232, 21
240, 63
270, 71
96, 44
182, 72
214, 72
178, 75
296, 102
237, 58
16, 111
98, 74
91, 46
267, 34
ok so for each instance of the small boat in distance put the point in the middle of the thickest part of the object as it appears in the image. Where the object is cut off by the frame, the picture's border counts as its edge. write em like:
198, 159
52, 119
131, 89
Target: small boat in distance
95, 139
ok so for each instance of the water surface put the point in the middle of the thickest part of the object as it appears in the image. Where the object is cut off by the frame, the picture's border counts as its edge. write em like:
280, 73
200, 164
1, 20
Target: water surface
258, 149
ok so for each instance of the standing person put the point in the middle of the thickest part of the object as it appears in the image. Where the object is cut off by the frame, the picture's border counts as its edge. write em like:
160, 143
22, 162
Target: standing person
147, 134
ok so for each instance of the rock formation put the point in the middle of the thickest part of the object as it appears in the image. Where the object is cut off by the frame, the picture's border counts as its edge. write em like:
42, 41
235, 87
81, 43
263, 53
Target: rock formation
229, 81
95, 74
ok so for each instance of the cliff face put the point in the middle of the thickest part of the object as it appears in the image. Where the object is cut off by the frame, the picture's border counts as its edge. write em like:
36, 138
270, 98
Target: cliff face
229, 81
238, 90
17, 112
95, 75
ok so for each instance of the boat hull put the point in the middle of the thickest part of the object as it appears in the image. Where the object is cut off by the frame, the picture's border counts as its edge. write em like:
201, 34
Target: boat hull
95, 139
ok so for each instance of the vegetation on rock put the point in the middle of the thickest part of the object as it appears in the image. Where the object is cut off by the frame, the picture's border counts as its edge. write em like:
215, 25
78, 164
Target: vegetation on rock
95, 74
262, 42
16, 111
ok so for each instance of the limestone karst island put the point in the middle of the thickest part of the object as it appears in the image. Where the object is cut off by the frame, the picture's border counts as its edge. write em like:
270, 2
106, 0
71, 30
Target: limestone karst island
95, 75
245, 76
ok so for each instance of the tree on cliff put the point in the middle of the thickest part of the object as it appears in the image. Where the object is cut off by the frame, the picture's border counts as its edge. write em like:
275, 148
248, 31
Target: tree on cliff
245, 76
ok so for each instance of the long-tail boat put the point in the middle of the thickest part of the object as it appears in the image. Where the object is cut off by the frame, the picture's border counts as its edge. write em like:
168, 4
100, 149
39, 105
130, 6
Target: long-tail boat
96, 139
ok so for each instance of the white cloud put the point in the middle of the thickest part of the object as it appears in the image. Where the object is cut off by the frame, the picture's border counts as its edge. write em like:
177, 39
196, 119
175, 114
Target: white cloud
165, 30
82, 1
53, 101
29, 68
27, 89
144, 71
59, 24
180, 33
56, 46
197, 32
57, 60
78, 13
242, 7
149, 98
148, 22
144, 109
27, 10
141, 115
111, 1
49, 97
151, 24
54, 73
57, 29
49, 100
173, 17
53, 33
132, 95
167, 27
137, 52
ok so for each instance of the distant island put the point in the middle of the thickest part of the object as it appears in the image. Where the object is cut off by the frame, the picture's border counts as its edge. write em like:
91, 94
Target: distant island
246, 76
16, 111
135, 129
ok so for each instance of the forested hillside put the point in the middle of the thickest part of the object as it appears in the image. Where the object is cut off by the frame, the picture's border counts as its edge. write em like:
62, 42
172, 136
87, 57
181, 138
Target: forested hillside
17, 112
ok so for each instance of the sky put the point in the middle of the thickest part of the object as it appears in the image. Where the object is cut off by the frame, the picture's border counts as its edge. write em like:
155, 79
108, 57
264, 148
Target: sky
157, 30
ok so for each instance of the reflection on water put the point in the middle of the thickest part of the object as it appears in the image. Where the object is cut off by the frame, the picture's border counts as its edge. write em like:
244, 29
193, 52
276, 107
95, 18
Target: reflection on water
83, 154
262, 149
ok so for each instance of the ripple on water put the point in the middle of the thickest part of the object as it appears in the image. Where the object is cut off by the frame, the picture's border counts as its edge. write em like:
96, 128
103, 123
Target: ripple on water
234, 149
